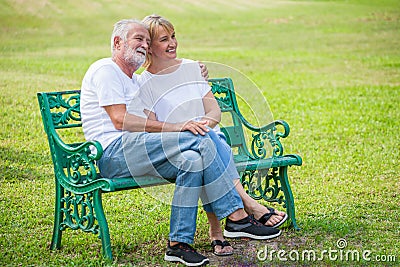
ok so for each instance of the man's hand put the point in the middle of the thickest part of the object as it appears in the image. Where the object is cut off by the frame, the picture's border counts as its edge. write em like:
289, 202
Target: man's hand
204, 71
196, 127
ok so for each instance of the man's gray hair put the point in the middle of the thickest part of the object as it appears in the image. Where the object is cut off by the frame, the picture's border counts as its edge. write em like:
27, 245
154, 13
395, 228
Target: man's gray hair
121, 29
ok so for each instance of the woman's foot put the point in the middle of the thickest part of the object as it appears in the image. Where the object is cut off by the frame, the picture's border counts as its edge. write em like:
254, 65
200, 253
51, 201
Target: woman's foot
267, 216
219, 245
251, 206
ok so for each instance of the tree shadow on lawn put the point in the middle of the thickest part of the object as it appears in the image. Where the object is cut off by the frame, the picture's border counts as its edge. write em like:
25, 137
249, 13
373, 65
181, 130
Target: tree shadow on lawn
20, 164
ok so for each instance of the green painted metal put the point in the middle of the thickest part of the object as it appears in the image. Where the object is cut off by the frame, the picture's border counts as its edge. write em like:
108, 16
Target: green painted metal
78, 204
263, 175
78, 185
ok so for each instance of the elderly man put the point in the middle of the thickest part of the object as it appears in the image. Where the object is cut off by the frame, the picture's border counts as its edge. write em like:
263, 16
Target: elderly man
133, 145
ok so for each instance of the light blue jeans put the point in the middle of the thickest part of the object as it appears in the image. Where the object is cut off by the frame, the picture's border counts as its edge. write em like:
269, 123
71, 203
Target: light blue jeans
225, 152
194, 161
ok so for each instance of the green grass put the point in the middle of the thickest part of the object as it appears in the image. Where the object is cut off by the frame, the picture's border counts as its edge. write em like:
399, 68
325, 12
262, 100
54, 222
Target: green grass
329, 68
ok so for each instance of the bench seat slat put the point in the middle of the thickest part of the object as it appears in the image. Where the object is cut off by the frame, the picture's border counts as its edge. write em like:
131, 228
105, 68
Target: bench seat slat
113, 184
243, 164
118, 184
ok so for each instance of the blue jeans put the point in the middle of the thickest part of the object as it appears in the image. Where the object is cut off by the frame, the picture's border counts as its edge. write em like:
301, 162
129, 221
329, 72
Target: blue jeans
195, 163
225, 152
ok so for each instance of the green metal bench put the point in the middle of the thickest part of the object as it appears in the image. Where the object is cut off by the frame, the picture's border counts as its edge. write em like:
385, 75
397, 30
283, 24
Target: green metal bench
79, 187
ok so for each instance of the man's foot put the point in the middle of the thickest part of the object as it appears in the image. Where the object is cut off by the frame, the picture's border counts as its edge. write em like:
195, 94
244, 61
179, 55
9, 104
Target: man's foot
249, 227
185, 254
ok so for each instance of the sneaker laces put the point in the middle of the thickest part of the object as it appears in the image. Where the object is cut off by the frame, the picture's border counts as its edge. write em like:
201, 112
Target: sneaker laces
254, 221
186, 247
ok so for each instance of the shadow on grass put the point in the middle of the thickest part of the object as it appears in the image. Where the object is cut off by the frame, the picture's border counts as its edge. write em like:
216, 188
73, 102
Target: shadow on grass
315, 236
138, 243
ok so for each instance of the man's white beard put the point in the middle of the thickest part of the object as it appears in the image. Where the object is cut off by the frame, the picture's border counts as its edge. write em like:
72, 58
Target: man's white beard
132, 57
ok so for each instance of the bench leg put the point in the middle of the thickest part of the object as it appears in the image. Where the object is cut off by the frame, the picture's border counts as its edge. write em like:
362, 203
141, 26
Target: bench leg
58, 217
101, 219
287, 191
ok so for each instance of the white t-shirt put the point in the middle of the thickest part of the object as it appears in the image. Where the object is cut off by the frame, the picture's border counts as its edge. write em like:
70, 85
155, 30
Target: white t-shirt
177, 96
105, 84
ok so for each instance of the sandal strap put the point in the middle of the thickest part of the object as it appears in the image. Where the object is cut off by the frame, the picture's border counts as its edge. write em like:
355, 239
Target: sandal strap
226, 244
217, 243
266, 216
220, 243
272, 211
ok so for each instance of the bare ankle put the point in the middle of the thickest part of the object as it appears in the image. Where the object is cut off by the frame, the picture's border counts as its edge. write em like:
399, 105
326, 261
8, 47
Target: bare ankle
173, 243
238, 215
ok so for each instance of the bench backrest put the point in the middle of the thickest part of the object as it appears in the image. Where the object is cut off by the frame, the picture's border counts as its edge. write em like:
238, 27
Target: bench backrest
225, 95
61, 110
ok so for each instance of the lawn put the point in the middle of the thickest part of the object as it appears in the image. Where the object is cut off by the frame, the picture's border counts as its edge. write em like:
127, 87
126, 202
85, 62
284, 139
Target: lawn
331, 69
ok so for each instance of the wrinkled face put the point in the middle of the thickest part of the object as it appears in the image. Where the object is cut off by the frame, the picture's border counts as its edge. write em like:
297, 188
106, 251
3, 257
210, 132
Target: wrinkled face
134, 57
136, 46
164, 45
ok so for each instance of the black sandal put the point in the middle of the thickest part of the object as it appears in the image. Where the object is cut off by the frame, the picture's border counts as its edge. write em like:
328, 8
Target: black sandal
266, 217
222, 244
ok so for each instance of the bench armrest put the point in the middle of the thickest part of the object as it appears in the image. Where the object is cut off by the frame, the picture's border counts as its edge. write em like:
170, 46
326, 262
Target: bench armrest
271, 132
79, 160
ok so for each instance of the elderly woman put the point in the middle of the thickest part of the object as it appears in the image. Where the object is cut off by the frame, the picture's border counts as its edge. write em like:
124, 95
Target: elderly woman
173, 90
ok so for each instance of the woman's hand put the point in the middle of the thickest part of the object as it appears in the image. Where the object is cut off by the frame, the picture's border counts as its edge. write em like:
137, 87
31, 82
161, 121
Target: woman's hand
204, 71
196, 127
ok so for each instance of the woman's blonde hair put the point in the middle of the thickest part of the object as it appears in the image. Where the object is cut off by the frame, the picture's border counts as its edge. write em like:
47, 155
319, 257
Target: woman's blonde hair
153, 22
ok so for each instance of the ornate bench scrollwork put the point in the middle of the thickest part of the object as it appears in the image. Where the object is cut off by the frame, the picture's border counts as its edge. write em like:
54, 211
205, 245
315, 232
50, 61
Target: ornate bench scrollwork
79, 187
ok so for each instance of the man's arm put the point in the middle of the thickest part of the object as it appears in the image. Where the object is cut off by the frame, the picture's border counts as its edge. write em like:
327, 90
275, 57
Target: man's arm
212, 110
132, 123
204, 71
